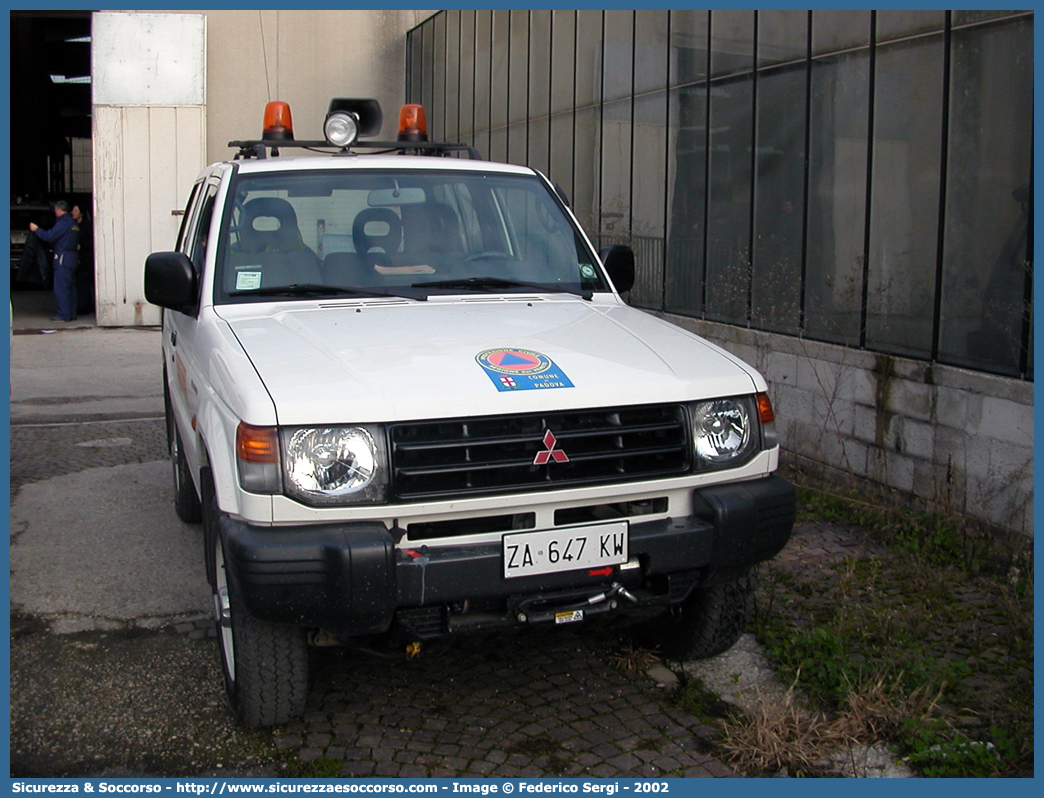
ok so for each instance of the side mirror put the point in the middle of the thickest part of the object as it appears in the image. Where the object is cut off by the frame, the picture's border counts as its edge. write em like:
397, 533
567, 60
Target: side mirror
619, 262
170, 281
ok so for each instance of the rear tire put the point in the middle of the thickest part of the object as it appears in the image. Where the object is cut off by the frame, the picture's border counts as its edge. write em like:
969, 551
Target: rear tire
709, 622
264, 665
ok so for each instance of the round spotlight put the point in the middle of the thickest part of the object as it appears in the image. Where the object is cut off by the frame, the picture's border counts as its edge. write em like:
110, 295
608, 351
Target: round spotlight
341, 128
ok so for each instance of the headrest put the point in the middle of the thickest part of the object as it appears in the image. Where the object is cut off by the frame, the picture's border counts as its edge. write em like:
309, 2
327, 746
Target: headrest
284, 235
377, 228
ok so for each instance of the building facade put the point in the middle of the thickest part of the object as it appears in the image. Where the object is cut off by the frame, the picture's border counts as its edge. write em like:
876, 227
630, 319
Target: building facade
171, 89
842, 197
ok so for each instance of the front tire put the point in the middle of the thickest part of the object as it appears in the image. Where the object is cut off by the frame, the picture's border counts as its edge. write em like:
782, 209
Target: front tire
186, 501
265, 665
709, 622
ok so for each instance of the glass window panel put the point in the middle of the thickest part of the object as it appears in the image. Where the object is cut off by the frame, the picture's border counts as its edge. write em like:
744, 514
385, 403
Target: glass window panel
782, 36
467, 72
588, 58
483, 86
427, 59
539, 140
839, 30
686, 197
561, 167
563, 57
897, 24
987, 268
690, 37
618, 58
840, 117
586, 168
728, 226
518, 78
732, 42
452, 118
481, 143
615, 209
517, 141
779, 203
650, 51
539, 63
965, 17
647, 198
904, 212
498, 112
498, 144
437, 109
416, 65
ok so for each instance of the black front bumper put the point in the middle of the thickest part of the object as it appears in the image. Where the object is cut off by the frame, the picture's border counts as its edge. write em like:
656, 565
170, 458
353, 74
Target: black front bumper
351, 580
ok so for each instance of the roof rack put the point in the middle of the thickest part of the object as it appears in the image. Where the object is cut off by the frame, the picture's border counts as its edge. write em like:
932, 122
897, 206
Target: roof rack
262, 148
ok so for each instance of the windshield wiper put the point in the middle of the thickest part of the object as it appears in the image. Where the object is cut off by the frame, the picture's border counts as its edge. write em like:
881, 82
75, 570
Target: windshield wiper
316, 289
492, 283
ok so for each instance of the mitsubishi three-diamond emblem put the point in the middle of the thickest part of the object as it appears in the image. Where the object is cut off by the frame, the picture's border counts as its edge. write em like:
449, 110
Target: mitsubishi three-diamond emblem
550, 453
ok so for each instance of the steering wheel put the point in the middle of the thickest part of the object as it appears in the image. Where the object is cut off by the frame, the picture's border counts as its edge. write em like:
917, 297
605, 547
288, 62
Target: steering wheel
487, 255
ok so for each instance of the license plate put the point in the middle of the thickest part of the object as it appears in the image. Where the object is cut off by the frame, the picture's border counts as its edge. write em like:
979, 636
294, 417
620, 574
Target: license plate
566, 549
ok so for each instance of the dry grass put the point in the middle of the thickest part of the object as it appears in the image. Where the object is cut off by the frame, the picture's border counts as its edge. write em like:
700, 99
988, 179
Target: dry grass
780, 733
634, 659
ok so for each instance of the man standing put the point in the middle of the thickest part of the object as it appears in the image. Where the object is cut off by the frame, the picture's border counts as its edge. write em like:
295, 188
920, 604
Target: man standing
85, 271
64, 236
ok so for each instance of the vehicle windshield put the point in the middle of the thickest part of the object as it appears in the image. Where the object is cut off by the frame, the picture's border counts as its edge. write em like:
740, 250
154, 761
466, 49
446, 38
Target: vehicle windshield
413, 234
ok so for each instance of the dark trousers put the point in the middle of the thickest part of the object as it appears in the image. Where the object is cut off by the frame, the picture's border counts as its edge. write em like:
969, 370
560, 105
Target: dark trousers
65, 264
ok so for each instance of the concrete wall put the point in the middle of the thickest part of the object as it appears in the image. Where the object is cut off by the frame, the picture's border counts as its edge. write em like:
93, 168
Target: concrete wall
148, 121
959, 441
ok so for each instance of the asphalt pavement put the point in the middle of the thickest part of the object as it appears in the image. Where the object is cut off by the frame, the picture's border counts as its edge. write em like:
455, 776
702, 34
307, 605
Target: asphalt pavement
112, 669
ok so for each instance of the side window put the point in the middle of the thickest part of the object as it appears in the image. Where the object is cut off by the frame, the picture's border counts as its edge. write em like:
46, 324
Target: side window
186, 218
200, 243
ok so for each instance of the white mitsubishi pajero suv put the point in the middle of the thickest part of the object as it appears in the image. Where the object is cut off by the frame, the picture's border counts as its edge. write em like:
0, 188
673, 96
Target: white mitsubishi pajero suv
407, 401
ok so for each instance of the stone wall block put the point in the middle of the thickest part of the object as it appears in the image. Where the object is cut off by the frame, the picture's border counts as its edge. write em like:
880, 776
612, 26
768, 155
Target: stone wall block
918, 439
910, 399
1006, 421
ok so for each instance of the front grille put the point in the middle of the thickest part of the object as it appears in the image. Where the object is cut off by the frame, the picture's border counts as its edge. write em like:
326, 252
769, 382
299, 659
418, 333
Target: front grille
473, 456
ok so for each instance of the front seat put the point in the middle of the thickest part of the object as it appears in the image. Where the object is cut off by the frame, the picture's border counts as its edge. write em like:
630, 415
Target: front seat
377, 234
270, 239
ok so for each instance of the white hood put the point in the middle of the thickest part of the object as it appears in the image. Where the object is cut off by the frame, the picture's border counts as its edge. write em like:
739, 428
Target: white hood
381, 360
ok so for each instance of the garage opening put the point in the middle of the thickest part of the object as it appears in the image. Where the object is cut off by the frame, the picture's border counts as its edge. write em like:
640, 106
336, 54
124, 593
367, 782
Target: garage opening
51, 152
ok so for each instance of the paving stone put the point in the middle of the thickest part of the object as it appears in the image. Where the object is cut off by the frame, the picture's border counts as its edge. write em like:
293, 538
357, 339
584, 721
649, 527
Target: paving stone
357, 768
413, 771
697, 773
625, 761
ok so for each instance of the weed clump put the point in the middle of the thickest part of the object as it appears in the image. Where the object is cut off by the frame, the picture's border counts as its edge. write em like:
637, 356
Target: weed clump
924, 644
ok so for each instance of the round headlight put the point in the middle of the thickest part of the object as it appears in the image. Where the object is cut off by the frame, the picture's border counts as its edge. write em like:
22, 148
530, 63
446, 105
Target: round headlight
341, 129
327, 465
722, 430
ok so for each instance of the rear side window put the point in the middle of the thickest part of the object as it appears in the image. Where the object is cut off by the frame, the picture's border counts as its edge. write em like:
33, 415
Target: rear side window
186, 219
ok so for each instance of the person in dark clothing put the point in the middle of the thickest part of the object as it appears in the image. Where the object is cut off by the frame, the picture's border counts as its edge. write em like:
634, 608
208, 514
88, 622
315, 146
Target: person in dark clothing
85, 273
64, 236
35, 266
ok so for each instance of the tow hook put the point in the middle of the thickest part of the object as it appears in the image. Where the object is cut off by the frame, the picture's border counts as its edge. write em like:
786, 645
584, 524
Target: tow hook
552, 610
623, 591
616, 589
